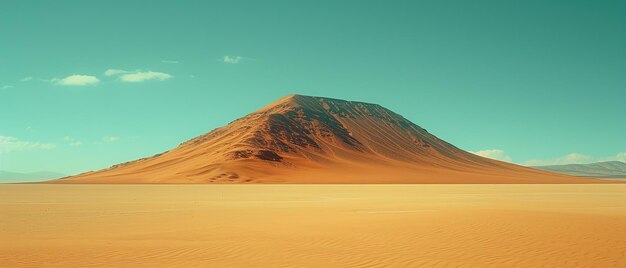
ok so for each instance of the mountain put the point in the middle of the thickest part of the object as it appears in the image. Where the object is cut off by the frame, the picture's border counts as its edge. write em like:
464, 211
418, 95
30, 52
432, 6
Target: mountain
609, 169
303, 139
7, 176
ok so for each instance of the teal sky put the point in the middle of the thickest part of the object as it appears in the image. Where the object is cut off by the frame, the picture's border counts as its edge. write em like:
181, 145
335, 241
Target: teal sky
535, 82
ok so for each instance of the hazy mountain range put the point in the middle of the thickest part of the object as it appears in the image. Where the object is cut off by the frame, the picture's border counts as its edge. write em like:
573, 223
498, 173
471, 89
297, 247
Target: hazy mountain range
609, 169
7, 176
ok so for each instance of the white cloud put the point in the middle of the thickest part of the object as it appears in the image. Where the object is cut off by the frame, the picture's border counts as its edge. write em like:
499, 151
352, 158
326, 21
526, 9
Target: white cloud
143, 76
7, 86
111, 72
25, 79
71, 141
77, 80
170, 61
576, 158
232, 59
11, 144
110, 138
137, 76
618, 157
573, 158
494, 154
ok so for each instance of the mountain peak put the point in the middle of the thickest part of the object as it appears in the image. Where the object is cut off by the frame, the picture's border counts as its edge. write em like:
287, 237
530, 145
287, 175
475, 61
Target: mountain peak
314, 102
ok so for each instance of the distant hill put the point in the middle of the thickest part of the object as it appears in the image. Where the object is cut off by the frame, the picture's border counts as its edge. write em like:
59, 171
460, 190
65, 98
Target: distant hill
7, 176
610, 169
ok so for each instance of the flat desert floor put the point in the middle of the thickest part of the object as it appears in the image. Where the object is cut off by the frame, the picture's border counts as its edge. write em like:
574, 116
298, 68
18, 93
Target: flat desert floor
312, 225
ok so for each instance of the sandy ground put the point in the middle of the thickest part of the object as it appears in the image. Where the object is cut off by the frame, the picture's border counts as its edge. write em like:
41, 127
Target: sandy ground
312, 225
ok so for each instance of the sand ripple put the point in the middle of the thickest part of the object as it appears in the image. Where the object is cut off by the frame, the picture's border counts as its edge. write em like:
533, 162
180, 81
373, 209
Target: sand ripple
313, 226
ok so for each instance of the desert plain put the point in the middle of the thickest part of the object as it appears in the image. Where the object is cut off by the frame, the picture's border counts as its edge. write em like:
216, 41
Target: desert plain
480, 225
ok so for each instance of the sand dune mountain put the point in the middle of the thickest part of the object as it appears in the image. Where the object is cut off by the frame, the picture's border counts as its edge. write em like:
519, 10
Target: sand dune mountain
303, 139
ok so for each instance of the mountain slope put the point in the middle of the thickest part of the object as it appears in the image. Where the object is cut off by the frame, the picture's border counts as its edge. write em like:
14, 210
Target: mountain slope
302, 139
609, 169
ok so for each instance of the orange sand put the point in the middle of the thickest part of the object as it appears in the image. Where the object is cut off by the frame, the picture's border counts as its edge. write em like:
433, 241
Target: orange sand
312, 225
